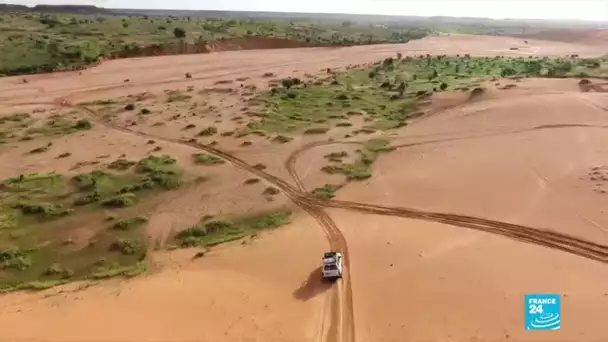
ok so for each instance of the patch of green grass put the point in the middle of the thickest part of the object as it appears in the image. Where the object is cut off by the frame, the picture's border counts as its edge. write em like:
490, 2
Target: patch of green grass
356, 171
59, 126
59, 271
162, 170
115, 269
328, 191
44, 210
41, 212
16, 117
42, 197
109, 189
377, 145
43, 42
207, 159
33, 285
33, 182
129, 223
219, 231
360, 169
336, 156
389, 92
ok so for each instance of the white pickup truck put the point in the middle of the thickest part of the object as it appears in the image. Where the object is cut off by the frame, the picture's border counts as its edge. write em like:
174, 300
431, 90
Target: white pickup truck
332, 265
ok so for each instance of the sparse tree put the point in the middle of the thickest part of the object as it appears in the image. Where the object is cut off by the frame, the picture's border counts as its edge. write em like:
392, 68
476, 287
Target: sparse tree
287, 82
179, 32
401, 88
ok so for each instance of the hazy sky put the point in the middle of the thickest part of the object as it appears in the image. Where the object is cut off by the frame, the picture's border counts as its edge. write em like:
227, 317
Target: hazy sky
547, 9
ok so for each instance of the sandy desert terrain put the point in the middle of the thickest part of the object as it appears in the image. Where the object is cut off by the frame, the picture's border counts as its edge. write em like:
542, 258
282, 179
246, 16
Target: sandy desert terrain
480, 203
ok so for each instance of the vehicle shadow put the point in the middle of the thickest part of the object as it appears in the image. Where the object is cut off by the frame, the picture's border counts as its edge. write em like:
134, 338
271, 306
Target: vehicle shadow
313, 286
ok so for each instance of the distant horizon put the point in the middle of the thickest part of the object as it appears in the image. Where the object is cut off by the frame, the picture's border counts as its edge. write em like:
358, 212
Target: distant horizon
568, 10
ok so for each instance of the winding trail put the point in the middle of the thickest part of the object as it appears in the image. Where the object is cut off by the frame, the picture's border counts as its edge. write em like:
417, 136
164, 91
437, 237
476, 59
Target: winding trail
341, 324
341, 329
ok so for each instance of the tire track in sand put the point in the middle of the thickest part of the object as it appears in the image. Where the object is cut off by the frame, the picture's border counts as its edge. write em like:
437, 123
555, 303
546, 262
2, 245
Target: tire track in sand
343, 329
541, 237
346, 306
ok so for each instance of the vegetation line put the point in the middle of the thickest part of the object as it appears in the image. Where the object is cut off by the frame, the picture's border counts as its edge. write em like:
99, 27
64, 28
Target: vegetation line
39, 42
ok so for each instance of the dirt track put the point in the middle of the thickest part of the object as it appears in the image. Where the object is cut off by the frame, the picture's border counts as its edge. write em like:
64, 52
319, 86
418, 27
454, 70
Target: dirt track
340, 313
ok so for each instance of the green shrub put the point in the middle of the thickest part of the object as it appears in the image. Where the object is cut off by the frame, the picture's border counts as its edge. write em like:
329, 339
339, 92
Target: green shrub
87, 181
17, 117
162, 170
127, 246
15, 258
326, 192
271, 191
121, 164
282, 139
209, 131
83, 124
316, 130
128, 223
57, 270
120, 201
336, 155
153, 164
179, 32
48, 210
287, 82
207, 159
88, 199
39, 150
218, 231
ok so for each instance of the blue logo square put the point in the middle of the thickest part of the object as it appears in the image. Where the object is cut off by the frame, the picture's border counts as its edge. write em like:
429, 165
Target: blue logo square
543, 312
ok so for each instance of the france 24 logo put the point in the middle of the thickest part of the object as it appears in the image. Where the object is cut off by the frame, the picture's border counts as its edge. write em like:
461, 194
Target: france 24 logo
543, 312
